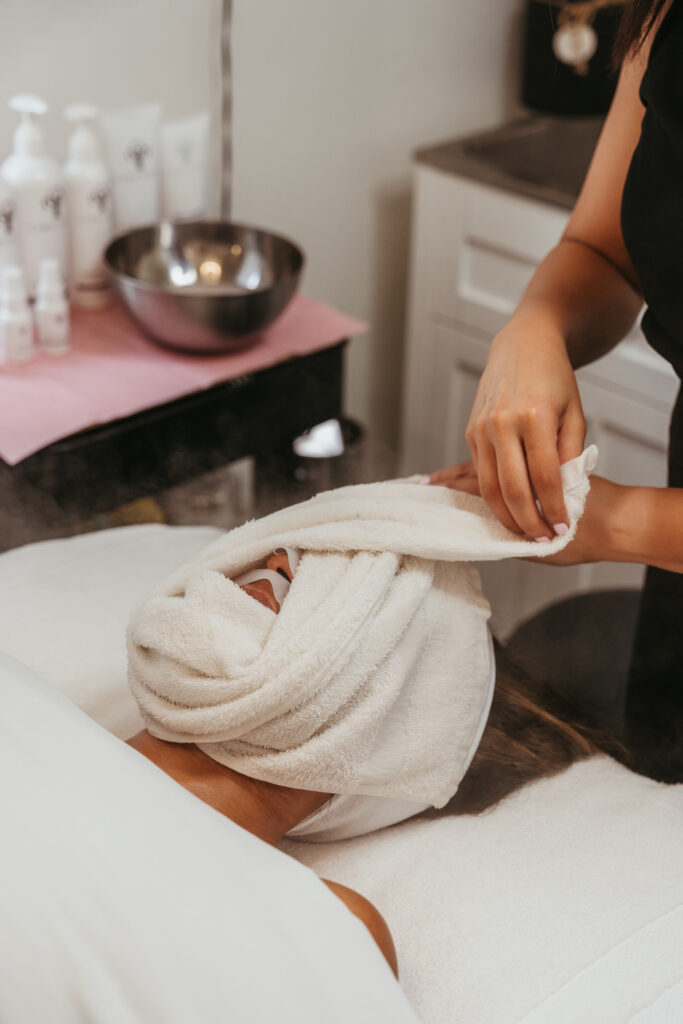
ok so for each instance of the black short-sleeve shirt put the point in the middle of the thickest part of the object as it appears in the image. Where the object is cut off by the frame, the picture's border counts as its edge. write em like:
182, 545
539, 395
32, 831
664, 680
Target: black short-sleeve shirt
652, 204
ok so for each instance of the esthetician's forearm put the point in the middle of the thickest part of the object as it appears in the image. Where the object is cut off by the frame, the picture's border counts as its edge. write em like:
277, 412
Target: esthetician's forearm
580, 300
646, 526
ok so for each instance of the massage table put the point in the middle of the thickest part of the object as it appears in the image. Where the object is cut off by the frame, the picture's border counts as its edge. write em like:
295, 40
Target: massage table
562, 905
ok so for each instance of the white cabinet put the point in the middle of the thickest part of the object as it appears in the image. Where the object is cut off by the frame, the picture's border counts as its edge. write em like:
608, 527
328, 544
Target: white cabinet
474, 250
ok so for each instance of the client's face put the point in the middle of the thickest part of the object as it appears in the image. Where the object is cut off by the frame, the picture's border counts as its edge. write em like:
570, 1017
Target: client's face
262, 589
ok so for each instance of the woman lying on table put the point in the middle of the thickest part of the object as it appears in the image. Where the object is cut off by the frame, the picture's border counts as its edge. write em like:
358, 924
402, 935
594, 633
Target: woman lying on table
328, 670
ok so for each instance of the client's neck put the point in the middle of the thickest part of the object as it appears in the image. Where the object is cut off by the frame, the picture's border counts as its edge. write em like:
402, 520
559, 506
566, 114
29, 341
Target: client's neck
267, 810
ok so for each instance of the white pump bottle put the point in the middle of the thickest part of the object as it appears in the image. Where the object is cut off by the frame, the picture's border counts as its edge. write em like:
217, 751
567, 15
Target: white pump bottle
89, 210
38, 194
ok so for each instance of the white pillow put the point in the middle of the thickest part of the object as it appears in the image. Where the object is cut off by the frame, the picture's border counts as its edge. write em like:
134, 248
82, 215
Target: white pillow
125, 899
64, 608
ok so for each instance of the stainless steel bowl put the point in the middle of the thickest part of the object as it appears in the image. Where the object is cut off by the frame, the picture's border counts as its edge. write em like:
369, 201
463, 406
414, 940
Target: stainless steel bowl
203, 286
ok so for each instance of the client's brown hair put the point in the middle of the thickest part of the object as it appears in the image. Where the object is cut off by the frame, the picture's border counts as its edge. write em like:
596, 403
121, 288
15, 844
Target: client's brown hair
532, 732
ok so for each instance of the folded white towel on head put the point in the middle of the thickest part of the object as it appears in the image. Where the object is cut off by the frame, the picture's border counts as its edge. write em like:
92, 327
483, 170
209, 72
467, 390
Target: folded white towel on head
385, 610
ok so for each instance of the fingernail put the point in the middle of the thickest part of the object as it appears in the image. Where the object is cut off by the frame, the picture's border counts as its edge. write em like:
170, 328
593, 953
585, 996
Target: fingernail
543, 540
423, 480
561, 529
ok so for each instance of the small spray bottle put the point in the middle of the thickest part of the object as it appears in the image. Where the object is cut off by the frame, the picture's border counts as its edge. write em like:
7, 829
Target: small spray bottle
52, 310
16, 322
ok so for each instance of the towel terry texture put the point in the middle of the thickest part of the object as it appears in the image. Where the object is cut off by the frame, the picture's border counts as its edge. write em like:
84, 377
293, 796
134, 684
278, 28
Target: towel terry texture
385, 611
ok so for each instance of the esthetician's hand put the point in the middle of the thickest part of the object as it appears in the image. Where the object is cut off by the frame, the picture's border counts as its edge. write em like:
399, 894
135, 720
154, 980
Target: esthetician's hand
526, 420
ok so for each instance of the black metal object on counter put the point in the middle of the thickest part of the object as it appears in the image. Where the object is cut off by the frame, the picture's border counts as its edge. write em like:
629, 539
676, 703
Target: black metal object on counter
551, 86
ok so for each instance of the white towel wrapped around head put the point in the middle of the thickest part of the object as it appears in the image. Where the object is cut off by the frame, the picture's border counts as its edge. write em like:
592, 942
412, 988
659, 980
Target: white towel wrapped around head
385, 610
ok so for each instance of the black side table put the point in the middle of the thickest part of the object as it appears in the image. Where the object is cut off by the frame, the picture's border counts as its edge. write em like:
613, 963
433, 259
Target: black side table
99, 469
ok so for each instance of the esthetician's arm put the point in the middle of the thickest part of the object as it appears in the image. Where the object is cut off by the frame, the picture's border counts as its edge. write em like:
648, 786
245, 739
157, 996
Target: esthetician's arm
620, 524
584, 297
629, 524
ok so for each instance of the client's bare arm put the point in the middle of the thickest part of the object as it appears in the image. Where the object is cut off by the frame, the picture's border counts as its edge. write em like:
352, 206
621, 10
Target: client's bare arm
368, 913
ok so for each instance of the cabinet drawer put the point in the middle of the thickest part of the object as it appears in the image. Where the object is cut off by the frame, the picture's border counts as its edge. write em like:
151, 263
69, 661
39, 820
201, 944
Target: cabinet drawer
488, 244
633, 370
503, 240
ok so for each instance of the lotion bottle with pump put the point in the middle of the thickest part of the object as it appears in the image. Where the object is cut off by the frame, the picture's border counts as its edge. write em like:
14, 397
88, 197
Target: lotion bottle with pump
38, 194
52, 310
16, 322
89, 211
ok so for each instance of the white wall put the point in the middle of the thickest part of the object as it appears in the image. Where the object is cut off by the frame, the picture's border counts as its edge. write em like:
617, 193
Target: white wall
112, 53
330, 99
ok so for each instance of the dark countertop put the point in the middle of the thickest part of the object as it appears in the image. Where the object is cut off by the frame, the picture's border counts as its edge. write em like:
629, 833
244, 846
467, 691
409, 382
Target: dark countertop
544, 158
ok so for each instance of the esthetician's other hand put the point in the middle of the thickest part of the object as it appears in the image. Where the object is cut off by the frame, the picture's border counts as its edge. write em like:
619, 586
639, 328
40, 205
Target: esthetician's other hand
462, 477
526, 420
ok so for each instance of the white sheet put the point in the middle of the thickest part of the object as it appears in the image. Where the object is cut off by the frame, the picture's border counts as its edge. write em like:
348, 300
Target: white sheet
528, 910
565, 897
125, 900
